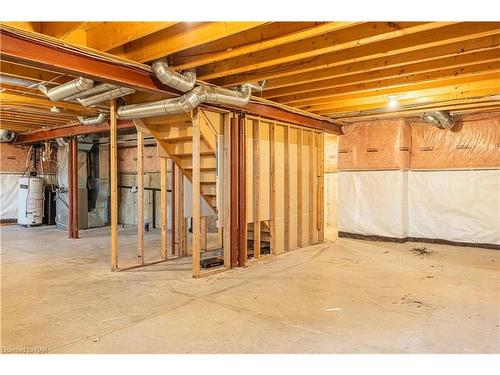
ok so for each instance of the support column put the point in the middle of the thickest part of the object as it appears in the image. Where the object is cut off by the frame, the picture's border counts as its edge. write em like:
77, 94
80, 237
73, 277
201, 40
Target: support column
140, 197
226, 241
163, 193
242, 189
196, 210
234, 225
73, 188
172, 204
114, 185
256, 188
287, 187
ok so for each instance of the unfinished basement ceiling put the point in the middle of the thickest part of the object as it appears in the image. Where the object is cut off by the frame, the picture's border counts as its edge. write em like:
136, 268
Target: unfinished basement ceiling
342, 70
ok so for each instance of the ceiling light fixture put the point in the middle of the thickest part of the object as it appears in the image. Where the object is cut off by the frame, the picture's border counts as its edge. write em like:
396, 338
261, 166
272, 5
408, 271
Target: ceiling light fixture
393, 101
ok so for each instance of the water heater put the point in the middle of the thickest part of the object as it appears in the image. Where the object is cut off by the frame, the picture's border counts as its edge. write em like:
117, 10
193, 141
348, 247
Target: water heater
30, 201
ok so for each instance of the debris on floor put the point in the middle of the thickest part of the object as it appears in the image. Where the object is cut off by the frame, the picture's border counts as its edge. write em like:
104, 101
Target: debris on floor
421, 251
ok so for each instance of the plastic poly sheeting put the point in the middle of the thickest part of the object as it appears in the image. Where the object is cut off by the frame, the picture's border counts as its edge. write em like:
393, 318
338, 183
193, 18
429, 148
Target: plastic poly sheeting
472, 144
373, 203
383, 144
8, 196
462, 206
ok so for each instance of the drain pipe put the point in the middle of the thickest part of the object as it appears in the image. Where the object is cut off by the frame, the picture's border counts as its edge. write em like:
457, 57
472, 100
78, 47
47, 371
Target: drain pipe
182, 82
99, 119
108, 95
68, 89
187, 102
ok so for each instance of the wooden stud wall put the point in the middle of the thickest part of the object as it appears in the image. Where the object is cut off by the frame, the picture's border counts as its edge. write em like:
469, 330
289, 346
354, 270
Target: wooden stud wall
288, 174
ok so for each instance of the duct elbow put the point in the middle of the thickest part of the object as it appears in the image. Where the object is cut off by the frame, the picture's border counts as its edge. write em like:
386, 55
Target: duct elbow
180, 81
440, 119
99, 119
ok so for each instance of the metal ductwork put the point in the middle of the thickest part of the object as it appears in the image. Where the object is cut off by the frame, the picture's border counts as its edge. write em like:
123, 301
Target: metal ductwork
180, 81
187, 102
108, 95
440, 119
99, 119
97, 89
68, 89
8, 80
6, 136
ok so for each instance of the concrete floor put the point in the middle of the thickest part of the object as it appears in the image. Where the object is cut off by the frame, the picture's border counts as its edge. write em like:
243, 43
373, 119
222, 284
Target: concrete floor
344, 297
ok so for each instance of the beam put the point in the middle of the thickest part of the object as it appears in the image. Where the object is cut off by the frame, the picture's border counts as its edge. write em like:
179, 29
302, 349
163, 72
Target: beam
44, 54
409, 43
276, 113
113, 154
69, 131
109, 35
40, 53
182, 36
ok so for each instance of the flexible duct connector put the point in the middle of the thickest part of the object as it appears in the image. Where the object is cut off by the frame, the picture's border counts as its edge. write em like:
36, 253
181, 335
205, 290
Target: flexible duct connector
180, 81
6, 136
68, 89
97, 89
187, 102
99, 119
440, 119
108, 95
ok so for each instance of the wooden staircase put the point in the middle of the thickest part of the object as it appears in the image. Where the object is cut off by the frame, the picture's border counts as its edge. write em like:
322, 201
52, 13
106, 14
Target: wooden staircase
174, 135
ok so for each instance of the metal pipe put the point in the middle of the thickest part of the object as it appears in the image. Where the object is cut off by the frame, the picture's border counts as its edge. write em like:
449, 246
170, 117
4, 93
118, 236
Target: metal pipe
68, 89
99, 119
440, 119
187, 102
97, 89
182, 82
108, 95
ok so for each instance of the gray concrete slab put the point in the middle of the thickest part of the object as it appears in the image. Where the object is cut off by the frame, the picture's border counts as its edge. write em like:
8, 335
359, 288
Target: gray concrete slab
346, 296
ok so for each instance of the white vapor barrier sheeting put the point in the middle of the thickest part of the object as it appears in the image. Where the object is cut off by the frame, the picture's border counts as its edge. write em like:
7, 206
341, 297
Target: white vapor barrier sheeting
462, 206
8, 196
373, 203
